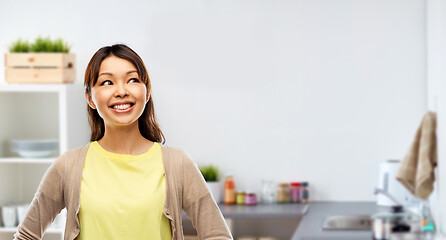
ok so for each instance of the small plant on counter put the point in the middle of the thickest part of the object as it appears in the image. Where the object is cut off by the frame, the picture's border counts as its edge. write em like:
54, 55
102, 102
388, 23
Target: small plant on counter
210, 173
40, 45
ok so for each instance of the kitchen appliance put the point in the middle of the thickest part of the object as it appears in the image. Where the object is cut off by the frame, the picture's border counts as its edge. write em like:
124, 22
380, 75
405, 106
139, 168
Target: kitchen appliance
388, 183
396, 221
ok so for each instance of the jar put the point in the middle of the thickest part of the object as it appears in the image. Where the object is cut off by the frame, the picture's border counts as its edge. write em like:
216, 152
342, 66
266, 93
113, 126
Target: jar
283, 193
304, 194
240, 199
295, 192
268, 192
251, 198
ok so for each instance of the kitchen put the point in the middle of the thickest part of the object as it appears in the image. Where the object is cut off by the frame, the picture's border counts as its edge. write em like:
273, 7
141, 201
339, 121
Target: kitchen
317, 91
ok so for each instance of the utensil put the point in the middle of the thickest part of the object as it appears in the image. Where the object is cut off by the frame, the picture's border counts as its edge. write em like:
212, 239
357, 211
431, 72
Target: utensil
397, 220
21, 212
38, 148
9, 216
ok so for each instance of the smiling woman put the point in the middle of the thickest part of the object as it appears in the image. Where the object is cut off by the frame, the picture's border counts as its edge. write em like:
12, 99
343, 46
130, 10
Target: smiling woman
118, 95
124, 184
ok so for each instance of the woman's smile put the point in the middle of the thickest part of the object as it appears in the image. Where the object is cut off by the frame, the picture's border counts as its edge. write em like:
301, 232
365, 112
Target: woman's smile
122, 107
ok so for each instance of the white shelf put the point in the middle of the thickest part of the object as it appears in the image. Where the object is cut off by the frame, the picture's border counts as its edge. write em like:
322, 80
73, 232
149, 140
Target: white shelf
14, 229
17, 87
26, 160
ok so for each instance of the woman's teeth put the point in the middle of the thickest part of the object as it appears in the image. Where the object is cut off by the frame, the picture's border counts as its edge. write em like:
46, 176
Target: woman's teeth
121, 107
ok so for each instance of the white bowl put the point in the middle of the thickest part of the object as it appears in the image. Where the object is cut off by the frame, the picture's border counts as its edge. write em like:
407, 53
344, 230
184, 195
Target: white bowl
39, 148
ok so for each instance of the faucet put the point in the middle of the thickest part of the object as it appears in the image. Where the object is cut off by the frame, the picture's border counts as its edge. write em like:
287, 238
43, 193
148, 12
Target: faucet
381, 191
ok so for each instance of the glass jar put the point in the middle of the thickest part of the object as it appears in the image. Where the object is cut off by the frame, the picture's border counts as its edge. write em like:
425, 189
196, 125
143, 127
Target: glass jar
295, 192
304, 194
283, 193
251, 198
240, 199
268, 191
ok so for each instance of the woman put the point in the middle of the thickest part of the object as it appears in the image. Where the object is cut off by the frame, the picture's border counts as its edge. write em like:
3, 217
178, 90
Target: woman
123, 184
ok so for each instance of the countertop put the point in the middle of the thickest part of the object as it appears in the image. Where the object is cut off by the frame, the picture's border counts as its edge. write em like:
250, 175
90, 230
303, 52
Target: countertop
312, 217
310, 227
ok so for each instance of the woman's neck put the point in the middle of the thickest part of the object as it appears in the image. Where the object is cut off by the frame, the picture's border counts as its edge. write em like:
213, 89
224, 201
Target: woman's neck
124, 140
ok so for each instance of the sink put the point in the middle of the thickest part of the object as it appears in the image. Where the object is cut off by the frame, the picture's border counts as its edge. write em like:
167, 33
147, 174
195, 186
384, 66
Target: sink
348, 222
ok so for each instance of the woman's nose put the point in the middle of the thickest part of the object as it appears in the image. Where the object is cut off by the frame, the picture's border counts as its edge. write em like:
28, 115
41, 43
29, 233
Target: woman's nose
121, 90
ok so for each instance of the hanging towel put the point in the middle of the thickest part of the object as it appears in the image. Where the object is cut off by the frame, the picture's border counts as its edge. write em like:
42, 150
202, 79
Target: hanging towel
416, 171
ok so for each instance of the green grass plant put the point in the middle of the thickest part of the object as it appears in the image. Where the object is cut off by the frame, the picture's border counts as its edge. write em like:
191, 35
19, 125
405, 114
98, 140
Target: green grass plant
19, 46
40, 45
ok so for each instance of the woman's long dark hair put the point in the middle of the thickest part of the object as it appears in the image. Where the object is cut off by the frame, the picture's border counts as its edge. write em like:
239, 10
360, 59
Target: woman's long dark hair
147, 122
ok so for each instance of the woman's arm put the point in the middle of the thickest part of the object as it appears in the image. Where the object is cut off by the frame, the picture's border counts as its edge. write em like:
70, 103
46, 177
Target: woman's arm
199, 205
46, 204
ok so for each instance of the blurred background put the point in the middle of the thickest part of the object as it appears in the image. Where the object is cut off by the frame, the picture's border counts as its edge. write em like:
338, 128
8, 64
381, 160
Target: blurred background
319, 91
286, 90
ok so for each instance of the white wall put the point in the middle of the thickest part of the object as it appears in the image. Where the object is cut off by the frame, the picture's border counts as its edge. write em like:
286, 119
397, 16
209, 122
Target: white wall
289, 90
436, 58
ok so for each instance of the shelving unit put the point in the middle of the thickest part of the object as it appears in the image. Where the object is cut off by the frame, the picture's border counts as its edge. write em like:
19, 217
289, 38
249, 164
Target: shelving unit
49, 231
37, 111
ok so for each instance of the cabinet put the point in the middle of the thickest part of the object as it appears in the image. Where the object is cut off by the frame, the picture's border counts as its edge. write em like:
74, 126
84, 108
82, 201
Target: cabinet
276, 220
40, 111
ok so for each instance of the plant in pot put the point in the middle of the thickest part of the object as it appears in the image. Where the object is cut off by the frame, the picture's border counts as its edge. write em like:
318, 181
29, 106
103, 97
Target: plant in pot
41, 61
211, 175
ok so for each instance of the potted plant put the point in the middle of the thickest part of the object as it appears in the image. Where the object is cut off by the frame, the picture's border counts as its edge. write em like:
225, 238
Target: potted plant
211, 175
42, 61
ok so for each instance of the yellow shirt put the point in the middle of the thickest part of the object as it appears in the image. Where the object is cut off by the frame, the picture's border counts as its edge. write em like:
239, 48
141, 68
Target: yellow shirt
122, 196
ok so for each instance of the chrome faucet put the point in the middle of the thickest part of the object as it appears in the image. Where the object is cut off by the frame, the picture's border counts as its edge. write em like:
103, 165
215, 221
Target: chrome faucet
380, 191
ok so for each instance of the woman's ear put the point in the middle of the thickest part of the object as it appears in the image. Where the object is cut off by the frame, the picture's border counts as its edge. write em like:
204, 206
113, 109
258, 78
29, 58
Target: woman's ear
89, 101
148, 95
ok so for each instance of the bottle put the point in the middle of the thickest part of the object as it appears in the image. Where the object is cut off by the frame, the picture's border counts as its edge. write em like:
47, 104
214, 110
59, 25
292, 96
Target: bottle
295, 192
428, 222
240, 198
283, 193
304, 194
229, 190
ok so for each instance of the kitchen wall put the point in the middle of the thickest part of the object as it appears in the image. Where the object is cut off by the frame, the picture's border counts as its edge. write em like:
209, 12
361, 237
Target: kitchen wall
286, 90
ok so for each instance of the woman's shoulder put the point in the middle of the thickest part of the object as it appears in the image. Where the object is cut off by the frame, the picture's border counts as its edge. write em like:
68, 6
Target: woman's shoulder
73, 154
176, 155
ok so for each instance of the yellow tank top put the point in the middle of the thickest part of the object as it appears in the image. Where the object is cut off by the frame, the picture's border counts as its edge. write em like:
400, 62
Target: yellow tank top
122, 196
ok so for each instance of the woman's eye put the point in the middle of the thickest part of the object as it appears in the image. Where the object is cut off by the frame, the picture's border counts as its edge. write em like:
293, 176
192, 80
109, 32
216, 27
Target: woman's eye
134, 80
106, 82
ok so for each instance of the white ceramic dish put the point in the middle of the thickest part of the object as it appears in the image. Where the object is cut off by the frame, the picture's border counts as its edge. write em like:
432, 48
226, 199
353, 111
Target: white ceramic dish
38, 148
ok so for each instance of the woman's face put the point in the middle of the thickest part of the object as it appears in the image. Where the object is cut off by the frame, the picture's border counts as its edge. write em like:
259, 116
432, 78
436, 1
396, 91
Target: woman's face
119, 96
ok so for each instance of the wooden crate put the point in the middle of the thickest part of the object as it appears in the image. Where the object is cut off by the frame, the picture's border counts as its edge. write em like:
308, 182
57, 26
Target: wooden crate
40, 67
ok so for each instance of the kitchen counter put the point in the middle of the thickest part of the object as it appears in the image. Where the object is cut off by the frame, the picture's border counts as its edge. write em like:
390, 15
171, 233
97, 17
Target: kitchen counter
308, 218
310, 228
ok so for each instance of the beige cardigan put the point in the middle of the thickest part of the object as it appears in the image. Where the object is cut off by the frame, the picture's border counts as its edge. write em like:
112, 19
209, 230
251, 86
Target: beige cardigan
185, 190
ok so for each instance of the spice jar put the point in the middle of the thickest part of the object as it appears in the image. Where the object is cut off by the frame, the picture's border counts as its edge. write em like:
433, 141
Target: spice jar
250, 198
240, 199
283, 193
229, 190
295, 192
304, 194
